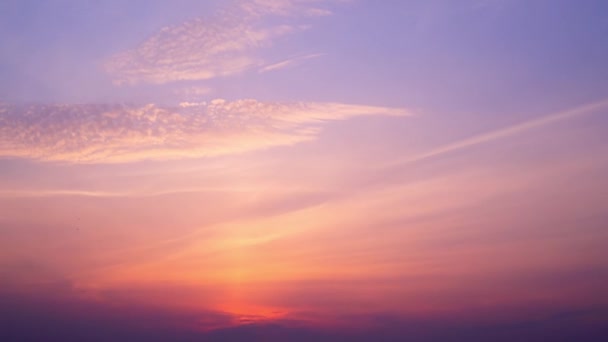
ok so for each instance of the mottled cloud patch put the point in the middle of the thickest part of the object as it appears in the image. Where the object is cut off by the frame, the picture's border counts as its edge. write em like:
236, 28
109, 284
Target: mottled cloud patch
121, 133
203, 49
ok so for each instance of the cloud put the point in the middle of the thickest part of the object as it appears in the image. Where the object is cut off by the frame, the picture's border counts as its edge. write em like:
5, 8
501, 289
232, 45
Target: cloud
202, 49
120, 133
509, 131
285, 7
288, 62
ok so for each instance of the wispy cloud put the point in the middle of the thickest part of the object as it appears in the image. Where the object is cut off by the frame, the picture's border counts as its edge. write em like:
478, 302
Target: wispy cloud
285, 7
288, 62
509, 131
120, 133
202, 49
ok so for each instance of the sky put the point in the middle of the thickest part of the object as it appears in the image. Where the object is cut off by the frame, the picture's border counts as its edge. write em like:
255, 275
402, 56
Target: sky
303, 170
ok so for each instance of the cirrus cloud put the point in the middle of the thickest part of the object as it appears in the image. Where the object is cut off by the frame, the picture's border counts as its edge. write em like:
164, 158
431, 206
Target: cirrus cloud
122, 133
206, 48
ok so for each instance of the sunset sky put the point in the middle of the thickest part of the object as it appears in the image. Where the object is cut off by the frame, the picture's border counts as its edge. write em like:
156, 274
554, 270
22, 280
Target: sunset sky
308, 170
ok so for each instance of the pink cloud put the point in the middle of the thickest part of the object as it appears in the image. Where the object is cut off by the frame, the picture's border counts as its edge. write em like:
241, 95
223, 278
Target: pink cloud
202, 49
120, 133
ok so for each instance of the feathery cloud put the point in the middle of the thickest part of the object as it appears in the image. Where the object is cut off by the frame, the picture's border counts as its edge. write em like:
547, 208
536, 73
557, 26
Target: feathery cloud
202, 49
120, 133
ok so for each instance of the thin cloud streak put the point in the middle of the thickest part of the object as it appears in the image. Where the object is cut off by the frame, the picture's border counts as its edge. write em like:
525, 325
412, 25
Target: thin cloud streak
508, 131
53, 193
93, 193
289, 62
37, 193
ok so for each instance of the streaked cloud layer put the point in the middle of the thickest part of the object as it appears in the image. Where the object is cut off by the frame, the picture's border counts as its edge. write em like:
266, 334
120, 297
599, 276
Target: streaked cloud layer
121, 133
